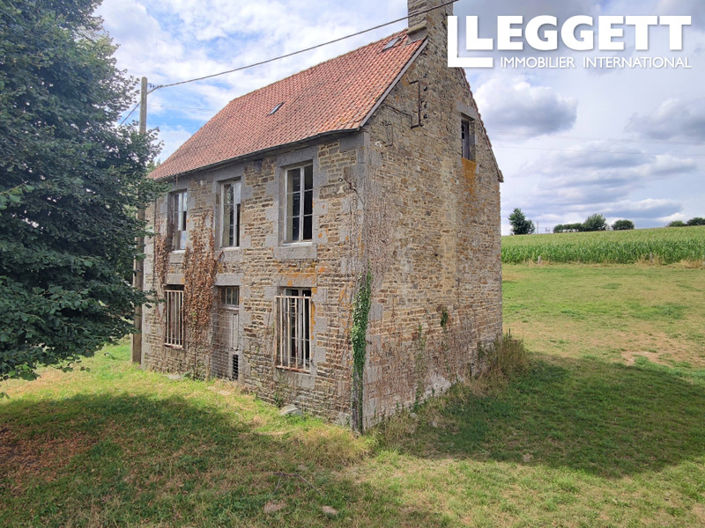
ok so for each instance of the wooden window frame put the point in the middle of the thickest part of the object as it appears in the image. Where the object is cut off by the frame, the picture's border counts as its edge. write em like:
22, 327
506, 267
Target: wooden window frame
178, 219
295, 224
236, 190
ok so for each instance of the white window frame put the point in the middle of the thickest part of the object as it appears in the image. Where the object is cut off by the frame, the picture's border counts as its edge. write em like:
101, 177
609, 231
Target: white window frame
178, 219
236, 186
294, 313
288, 211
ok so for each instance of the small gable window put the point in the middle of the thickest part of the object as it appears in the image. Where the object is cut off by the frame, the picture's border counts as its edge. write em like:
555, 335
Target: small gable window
467, 135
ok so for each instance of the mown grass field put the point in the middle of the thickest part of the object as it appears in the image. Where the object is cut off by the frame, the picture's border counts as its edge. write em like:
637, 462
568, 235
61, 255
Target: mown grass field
662, 245
607, 428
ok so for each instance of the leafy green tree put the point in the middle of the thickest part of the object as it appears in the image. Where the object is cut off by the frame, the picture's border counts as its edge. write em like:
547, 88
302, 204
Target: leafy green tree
676, 223
696, 221
595, 222
520, 225
71, 181
558, 228
623, 225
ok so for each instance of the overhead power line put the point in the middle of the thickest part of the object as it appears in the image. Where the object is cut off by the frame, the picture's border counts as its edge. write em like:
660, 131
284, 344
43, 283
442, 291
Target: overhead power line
291, 54
304, 50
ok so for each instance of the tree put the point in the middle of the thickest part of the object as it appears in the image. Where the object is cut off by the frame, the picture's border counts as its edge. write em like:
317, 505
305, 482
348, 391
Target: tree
696, 221
595, 222
520, 225
623, 225
71, 181
676, 223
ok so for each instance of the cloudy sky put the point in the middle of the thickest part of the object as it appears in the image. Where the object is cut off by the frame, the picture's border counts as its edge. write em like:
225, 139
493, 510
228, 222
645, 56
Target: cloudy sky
624, 143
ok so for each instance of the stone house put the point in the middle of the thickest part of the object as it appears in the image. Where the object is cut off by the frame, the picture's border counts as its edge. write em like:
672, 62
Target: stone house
373, 168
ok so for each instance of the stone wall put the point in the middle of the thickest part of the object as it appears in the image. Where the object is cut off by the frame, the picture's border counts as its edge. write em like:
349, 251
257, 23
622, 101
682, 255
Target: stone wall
431, 236
396, 199
262, 266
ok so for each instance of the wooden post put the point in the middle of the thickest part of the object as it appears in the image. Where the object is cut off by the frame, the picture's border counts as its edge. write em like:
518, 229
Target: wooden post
138, 278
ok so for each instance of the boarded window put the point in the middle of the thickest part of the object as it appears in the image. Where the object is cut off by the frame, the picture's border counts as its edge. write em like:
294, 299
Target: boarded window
177, 219
467, 134
230, 214
175, 331
299, 203
294, 329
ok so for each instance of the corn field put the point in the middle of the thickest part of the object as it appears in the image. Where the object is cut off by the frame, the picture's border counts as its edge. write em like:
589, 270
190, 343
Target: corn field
662, 245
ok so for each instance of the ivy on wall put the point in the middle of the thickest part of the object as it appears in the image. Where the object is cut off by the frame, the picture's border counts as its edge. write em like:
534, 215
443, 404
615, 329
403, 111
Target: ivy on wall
200, 267
358, 333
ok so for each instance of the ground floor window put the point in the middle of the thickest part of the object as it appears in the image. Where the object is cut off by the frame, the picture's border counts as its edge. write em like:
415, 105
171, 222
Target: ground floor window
174, 307
294, 329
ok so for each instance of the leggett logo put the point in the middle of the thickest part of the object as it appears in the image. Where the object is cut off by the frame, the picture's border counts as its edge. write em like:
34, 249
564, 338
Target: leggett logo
578, 33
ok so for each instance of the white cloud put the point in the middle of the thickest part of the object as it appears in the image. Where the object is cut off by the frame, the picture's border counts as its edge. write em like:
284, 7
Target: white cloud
172, 138
513, 107
673, 119
557, 177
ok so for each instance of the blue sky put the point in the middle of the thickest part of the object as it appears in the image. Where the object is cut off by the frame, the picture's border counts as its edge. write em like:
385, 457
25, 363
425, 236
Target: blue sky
624, 143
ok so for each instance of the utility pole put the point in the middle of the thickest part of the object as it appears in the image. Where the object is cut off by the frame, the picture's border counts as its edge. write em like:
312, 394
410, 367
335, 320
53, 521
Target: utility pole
138, 278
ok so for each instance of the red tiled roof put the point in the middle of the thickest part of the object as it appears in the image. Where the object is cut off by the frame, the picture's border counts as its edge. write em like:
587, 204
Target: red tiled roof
336, 95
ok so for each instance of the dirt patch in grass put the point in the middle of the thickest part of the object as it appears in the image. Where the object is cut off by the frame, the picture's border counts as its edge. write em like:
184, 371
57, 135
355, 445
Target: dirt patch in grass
23, 458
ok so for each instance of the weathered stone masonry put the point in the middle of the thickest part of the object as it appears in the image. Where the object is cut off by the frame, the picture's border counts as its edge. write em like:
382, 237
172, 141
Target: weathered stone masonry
393, 199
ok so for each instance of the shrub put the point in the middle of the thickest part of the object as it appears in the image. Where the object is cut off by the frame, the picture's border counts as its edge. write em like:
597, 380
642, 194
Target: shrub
594, 222
506, 357
676, 223
623, 225
520, 225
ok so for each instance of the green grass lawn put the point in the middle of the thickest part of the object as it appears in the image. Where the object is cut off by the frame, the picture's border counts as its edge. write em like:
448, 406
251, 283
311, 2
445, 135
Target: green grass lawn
607, 428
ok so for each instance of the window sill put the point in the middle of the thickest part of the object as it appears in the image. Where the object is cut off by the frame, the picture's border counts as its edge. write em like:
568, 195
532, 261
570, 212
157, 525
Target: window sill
174, 347
296, 251
293, 369
232, 253
177, 255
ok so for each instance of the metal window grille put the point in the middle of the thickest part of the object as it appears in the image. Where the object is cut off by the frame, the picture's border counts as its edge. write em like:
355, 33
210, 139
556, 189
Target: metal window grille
226, 328
294, 331
235, 367
175, 331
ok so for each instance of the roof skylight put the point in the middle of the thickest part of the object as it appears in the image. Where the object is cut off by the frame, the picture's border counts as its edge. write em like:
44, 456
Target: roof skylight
391, 43
277, 107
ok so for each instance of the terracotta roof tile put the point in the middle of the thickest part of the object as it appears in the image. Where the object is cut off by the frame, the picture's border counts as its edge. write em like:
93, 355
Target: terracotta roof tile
335, 95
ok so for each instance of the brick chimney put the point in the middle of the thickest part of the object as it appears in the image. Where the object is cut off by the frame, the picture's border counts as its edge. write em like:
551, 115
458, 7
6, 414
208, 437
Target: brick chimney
420, 24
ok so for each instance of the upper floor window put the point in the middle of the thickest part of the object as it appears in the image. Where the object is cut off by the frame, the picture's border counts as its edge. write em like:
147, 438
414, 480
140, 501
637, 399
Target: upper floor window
230, 214
299, 203
177, 218
467, 134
